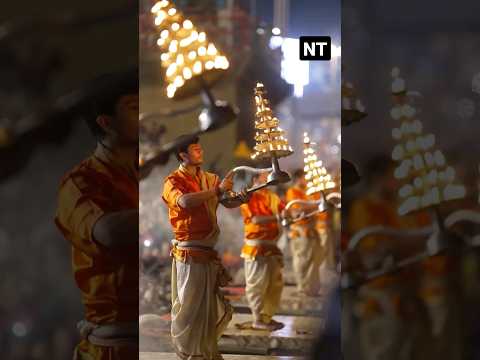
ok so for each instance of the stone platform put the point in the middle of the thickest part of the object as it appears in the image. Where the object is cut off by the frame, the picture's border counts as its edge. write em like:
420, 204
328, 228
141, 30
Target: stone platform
295, 338
171, 356
291, 303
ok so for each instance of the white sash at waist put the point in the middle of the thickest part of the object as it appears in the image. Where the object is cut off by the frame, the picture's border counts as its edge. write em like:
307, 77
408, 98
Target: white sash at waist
117, 334
190, 244
257, 242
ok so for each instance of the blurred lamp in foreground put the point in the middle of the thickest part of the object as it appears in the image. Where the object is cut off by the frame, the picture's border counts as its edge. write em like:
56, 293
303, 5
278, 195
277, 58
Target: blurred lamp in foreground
318, 180
427, 178
191, 62
192, 66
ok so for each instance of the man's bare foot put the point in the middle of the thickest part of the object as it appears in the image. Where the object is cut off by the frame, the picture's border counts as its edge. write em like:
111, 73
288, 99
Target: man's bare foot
260, 325
278, 325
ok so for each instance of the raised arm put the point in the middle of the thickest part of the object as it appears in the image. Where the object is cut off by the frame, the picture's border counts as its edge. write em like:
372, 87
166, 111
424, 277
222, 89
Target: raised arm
190, 200
263, 219
117, 229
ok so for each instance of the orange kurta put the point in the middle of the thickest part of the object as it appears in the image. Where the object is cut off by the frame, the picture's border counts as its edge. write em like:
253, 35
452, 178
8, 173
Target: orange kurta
187, 224
194, 224
296, 193
365, 213
322, 218
308, 225
107, 279
262, 203
369, 212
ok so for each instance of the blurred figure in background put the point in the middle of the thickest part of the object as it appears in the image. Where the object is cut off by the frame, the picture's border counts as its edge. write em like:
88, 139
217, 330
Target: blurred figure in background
98, 214
305, 242
328, 345
379, 306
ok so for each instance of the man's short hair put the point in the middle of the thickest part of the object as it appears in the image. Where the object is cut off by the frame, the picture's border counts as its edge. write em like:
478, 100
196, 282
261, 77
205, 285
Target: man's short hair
298, 174
184, 141
378, 166
109, 88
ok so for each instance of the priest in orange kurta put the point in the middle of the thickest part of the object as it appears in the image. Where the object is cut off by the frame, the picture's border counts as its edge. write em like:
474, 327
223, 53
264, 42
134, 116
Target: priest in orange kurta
381, 307
98, 214
199, 311
263, 259
305, 240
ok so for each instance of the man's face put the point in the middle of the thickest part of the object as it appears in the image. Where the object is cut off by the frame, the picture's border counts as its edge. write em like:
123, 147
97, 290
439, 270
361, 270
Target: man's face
301, 182
125, 123
194, 156
386, 185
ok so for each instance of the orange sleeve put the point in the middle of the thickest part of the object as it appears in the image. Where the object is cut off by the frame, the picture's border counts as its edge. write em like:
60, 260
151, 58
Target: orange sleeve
362, 216
358, 218
290, 195
173, 189
246, 213
79, 208
323, 216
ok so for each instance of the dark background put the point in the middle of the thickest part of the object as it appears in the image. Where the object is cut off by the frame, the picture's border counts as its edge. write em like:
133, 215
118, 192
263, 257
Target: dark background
436, 45
40, 304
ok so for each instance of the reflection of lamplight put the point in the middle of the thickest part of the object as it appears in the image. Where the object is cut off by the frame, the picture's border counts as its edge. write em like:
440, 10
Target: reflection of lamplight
322, 206
337, 196
320, 202
270, 140
231, 195
147, 243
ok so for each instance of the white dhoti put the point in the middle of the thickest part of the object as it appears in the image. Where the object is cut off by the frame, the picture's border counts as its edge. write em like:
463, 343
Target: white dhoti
199, 312
444, 315
380, 338
327, 244
384, 335
264, 285
307, 255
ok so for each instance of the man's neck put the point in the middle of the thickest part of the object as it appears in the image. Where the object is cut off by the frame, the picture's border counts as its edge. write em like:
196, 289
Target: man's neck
191, 169
378, 196
300, 187
123, 154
